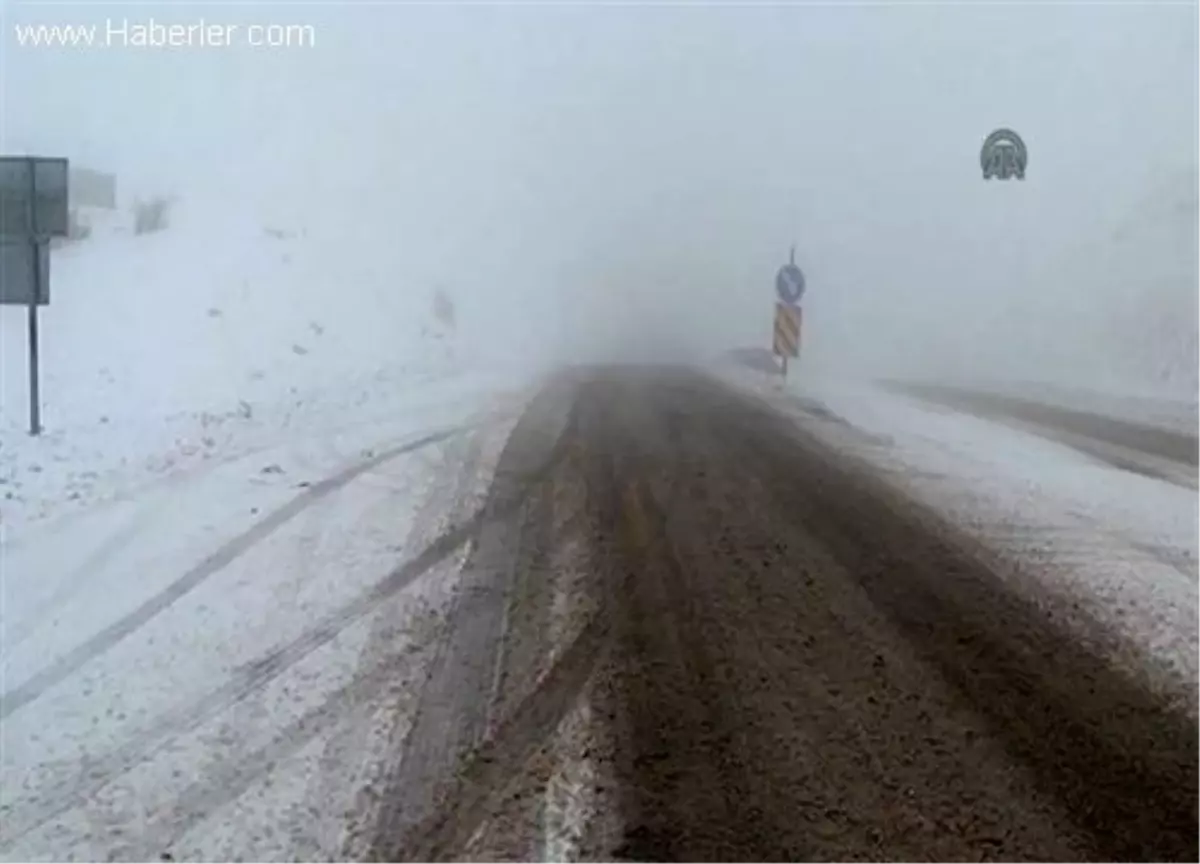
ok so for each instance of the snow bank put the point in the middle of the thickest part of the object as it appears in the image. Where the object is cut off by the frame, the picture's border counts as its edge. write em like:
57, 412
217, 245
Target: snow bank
160, 350
213, 311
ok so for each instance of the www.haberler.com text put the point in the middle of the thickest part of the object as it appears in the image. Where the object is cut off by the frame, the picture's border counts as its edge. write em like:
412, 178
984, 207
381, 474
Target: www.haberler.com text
152, 34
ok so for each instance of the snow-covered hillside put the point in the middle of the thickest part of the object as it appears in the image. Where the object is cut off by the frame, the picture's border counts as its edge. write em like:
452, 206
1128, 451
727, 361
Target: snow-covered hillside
1125, 321
1149, 267
1113, 311
221, 332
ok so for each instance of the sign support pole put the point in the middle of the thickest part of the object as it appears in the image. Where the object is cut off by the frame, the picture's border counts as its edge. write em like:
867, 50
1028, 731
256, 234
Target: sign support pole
35, 402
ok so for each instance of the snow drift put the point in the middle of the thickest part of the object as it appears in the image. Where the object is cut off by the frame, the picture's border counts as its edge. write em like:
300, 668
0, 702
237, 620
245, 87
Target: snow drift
222, 330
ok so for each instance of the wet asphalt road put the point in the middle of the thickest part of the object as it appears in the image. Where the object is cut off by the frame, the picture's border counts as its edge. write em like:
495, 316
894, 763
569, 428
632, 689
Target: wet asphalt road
789, 661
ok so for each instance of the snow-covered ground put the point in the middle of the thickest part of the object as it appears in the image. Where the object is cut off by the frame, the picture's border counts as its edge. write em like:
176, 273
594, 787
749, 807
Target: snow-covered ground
233, 531
227, 557
194, 645
1107, 545
1177, 412
220, 335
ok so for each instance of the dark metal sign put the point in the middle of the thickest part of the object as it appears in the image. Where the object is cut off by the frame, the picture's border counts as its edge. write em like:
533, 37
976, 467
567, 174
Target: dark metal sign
1003, 156
33, 197
24, 281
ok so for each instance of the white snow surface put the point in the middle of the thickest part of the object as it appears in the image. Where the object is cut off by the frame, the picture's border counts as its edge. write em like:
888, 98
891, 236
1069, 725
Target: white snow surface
219, 308
1145, 406
182, 667
206, 627
220, 334
1094, 544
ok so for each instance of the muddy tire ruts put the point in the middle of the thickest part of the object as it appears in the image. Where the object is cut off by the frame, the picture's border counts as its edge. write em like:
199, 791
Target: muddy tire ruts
799, 664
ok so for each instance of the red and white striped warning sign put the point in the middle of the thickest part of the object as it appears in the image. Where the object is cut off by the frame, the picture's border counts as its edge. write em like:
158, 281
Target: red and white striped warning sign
787, 330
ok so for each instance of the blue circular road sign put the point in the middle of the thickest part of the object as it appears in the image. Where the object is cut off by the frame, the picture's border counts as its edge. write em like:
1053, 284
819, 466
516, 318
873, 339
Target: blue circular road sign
789, 284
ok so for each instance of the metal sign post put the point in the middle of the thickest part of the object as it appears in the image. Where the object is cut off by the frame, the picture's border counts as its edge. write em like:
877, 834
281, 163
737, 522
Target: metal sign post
35, 398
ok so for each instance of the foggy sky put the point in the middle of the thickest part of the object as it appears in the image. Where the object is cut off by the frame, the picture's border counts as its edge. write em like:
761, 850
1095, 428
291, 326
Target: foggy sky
608, 179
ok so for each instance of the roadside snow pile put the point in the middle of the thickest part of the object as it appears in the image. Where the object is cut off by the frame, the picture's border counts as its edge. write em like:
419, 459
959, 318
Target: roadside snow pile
159, 350
63, 471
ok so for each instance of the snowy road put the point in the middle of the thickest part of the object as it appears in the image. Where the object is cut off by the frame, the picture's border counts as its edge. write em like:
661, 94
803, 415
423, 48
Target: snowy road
781, 656
643, 613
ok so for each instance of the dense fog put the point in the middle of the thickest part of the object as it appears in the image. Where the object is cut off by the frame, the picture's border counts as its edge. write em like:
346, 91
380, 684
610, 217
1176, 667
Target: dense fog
619, 181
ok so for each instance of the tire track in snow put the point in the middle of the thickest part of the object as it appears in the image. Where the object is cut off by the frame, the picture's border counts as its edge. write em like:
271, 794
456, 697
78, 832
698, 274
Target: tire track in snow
68, 792
112, 545
366, 743
243, 766
453, 711
465, 799
443, 833
1146, 449
73, 660
144, 516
